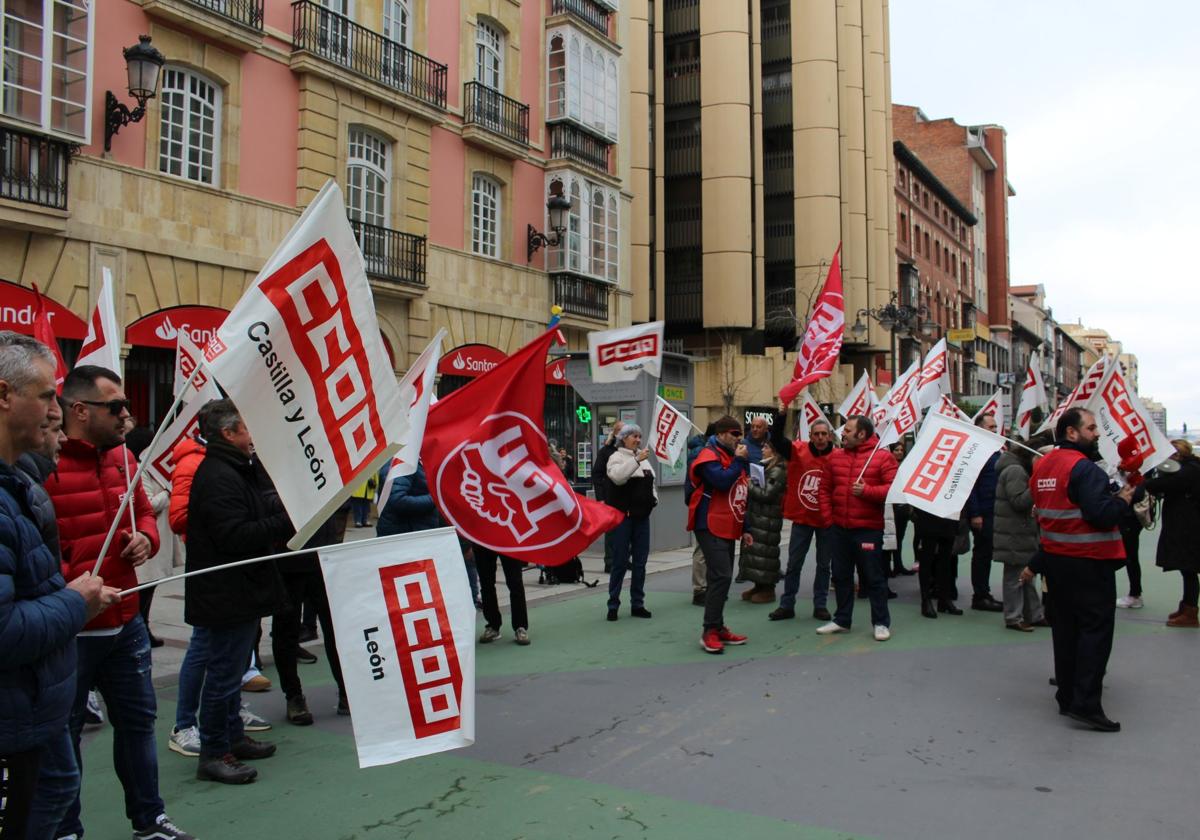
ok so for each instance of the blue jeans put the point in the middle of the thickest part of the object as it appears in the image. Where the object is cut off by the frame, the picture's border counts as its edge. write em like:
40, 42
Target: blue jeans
631, 548
859, 546
191, 679
57, 786
221, 698
801, 539
119, 667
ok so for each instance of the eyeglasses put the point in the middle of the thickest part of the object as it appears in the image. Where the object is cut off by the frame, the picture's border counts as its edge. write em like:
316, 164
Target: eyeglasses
115, 406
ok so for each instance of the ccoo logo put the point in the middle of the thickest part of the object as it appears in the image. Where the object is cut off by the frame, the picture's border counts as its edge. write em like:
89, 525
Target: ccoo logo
931, 473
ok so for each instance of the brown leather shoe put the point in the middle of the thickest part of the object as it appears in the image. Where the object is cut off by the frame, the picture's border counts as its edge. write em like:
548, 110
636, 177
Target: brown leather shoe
748, 594
1187, 617
763, 595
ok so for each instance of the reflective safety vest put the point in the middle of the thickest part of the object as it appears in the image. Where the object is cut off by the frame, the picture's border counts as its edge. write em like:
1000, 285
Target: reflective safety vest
1064, 530
726, 508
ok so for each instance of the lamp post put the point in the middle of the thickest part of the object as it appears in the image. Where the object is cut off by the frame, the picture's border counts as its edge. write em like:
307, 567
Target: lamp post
143, 64
557, 206
894, 317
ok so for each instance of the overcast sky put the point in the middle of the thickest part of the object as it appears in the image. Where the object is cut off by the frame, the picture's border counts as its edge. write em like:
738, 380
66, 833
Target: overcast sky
1101, 101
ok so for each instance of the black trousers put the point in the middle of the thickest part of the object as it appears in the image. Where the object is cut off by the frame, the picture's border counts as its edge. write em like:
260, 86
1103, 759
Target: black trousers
285, 631
893, 559
939, 567
1131, 537
1085, 596
485, 565
718, 559
18, 780
981, 557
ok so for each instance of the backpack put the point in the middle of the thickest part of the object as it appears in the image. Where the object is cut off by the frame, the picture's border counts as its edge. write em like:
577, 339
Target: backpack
569, 572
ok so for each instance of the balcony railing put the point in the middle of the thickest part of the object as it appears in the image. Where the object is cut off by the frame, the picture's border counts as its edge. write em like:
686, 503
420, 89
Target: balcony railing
683, 226
681, 17
343, 42
682, 82
583, 296
567, 141
391, 255
33, 169
683, 301
246, 12
490, 109
588, 11
681, 152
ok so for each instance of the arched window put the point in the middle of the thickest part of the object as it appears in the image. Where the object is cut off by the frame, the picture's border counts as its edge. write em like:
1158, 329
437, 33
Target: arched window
598, 233
397, 21
489, 54
367, 176
612, 239
485, 216
590, 100
574, 82
189, 136
611, 96
574, 229
556, 83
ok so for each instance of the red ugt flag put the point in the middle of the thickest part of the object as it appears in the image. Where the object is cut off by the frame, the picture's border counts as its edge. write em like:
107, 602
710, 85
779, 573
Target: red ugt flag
823, 338
43, 331
490, 472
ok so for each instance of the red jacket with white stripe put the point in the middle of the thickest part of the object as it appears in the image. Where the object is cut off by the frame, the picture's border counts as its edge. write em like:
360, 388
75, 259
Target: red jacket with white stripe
865, 511
86, 490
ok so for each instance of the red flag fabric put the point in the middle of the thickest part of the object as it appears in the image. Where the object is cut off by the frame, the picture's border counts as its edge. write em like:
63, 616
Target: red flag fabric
490, 472
823, 338
43, 331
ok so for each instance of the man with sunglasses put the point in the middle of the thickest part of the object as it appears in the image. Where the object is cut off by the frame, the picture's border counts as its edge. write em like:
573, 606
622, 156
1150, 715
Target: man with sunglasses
114, 648
807, 503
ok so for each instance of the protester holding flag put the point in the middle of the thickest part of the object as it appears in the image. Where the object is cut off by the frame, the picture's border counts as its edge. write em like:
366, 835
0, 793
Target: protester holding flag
1017, 539
601, 484
631, 490
758, 558
716, 514
861, 475
980, 512
1179, 542
231, 518
695, 444
808, 506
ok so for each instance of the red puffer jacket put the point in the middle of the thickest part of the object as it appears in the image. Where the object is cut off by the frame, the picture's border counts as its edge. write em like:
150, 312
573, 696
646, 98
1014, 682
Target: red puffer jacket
186, 456
865, 511
86, 490
807, 500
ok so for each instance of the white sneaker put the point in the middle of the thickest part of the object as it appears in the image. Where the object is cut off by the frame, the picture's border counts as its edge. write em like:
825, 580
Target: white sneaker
1130, 603
252, 722
92, 715
488, 635
185, 741
882, 634
830, 628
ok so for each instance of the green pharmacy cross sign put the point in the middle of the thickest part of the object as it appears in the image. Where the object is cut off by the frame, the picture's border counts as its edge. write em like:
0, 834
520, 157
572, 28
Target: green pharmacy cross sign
584, 414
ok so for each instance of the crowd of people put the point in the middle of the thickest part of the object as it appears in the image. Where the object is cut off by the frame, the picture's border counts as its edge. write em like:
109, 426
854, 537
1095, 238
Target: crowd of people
66, 457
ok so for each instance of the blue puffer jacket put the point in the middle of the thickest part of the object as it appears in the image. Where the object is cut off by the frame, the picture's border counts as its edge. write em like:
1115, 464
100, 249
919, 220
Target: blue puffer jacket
409, 507
982, 501
39, 618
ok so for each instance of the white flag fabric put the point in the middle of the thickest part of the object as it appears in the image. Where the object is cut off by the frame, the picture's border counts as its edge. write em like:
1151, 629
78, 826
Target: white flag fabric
416, 391
187, 358
405, 628
901, 419
620, 355
1033, 395
103, 343
159, 458
945, 461
302, 358
811, 413
1120, 414
859, 400
935, 375
947, 406
995, 407
899, 391
1081, 393
668, 432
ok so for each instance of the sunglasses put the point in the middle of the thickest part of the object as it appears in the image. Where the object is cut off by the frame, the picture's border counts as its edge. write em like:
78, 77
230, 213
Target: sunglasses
115, 406
735, 433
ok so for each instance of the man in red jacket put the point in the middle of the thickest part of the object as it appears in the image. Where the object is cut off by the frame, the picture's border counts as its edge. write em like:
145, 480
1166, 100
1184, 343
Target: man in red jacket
808, 505
862, 472
114, 648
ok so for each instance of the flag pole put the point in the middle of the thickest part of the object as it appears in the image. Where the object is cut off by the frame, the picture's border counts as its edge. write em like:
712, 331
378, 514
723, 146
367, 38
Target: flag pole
220, 568
137, 476
1007, 440
129, 488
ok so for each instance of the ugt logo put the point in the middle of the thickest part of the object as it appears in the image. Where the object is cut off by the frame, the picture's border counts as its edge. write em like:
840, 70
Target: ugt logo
428, 660
930, 476
514, 503
809, 488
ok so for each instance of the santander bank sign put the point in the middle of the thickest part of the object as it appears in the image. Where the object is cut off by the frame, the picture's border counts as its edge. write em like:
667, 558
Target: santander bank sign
162, 328
470, 360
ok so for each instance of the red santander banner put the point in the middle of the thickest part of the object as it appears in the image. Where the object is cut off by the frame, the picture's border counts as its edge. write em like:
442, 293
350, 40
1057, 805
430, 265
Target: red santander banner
162, 328
18, 310
470, 360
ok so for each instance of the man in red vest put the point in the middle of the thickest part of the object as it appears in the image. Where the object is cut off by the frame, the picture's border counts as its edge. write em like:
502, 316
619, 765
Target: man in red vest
716, 513
1082, 549
808, 505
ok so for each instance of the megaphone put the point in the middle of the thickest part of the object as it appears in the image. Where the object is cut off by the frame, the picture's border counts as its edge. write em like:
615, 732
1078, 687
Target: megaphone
1168, 466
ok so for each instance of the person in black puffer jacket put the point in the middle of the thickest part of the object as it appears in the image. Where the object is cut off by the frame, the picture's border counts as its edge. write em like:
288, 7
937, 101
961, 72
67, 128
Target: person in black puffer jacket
758, 559
230, 518
631, 491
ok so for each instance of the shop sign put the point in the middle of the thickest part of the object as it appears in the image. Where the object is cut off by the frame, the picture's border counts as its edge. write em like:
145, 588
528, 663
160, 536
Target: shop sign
556, 372
17, 305
672, 393
162, 328
754, 413
962, 336
470, 360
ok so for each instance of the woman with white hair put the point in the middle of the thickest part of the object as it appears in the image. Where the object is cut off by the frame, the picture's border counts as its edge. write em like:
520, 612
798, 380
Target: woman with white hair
631, 491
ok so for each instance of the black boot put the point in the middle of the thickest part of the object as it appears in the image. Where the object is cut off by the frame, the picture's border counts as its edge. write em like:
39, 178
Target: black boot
297, 711
225, 769
927, 609
948, 608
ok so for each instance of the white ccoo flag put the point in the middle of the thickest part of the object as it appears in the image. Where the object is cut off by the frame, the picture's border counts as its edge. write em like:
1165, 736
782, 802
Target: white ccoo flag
620, 355
668, 433
995, 407
159, 459
945, 461
1080, 395
187, 358
935, 375
811, 413
103, 343
860, 399
946, 406
1033, 395
302, 358
1120, 414
416, 391
405, 628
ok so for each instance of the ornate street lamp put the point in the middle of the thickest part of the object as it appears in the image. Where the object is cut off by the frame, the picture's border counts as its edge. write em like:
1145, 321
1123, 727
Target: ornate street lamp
895, 318
557, 206
143, 64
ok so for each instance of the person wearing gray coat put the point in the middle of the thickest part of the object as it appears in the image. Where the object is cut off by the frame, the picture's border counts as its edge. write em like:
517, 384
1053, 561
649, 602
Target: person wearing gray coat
1016, 540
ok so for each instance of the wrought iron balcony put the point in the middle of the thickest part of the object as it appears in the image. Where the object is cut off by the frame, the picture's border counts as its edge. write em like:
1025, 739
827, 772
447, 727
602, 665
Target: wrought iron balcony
588, 11
246, 12
568, 141
33, 168
391, 255
490, 109
341, 41
579, 295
